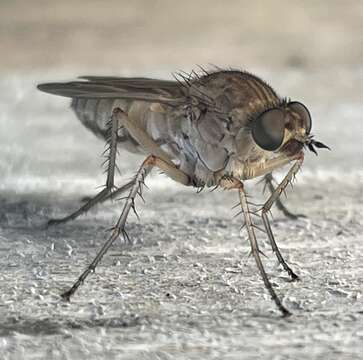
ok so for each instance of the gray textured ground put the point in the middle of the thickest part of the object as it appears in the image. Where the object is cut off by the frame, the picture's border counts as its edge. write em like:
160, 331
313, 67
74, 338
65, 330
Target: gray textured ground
187, 289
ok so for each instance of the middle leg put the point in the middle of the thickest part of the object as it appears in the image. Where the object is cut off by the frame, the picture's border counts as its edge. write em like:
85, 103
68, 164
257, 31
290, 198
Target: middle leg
119, 229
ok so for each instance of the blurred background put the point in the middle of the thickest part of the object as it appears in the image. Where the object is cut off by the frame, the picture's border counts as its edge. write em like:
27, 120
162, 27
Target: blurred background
147, 36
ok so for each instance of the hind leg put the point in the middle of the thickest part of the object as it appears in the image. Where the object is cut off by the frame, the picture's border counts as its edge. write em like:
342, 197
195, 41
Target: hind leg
266, 208
118, 117
109, 187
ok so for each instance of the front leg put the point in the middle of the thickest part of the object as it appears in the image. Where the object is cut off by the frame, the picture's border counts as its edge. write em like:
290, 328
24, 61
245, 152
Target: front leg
269, 183
266, 208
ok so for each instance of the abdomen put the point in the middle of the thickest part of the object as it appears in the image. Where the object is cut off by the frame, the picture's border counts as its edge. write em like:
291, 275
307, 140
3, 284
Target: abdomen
94, 114
177, 135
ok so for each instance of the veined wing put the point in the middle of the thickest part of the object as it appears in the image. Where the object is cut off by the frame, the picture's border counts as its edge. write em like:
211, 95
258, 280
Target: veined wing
97, 87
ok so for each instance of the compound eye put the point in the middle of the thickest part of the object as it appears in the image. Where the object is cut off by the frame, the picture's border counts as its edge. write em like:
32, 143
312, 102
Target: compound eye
268, 129
303, 112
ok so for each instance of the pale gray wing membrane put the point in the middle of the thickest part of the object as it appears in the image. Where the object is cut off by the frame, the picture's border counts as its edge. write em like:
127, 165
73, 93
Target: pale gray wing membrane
134, 82
163, 91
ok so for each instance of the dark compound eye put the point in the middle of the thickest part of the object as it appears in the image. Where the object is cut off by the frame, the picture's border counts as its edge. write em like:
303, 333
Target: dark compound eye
268, 129
303, 112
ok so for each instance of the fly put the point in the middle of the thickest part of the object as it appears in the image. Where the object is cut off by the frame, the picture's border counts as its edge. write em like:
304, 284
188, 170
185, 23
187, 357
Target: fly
209, 129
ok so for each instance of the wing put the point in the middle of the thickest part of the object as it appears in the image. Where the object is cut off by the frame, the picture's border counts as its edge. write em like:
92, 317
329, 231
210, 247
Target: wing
98, 87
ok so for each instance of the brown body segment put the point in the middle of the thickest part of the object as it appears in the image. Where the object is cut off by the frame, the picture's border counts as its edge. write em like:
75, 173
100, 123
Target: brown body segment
203, 135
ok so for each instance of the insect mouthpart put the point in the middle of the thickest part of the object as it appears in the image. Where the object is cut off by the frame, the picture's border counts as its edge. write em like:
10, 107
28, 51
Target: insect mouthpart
310, 143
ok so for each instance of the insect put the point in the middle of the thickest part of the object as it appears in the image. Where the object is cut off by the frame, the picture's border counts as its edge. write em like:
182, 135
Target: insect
204, 129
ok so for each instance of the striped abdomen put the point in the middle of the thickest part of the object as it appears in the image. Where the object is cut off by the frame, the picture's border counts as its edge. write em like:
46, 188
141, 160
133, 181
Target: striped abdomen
95, 114
189, 144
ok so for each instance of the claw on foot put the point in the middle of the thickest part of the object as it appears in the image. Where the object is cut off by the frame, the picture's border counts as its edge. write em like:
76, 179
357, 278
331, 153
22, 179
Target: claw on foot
285, 313
66, 296
53, 222
294, 277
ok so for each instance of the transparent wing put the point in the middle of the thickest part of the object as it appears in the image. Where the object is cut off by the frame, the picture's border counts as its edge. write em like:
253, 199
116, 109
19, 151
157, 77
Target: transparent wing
98, 87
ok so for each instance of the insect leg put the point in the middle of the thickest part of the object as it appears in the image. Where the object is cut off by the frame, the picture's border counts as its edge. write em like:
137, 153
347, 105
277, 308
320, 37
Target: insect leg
103, 194
253, 169
256, 251
143, 139
141, 136
119, 229
118, 191
269, 183
163, 160
267, 206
